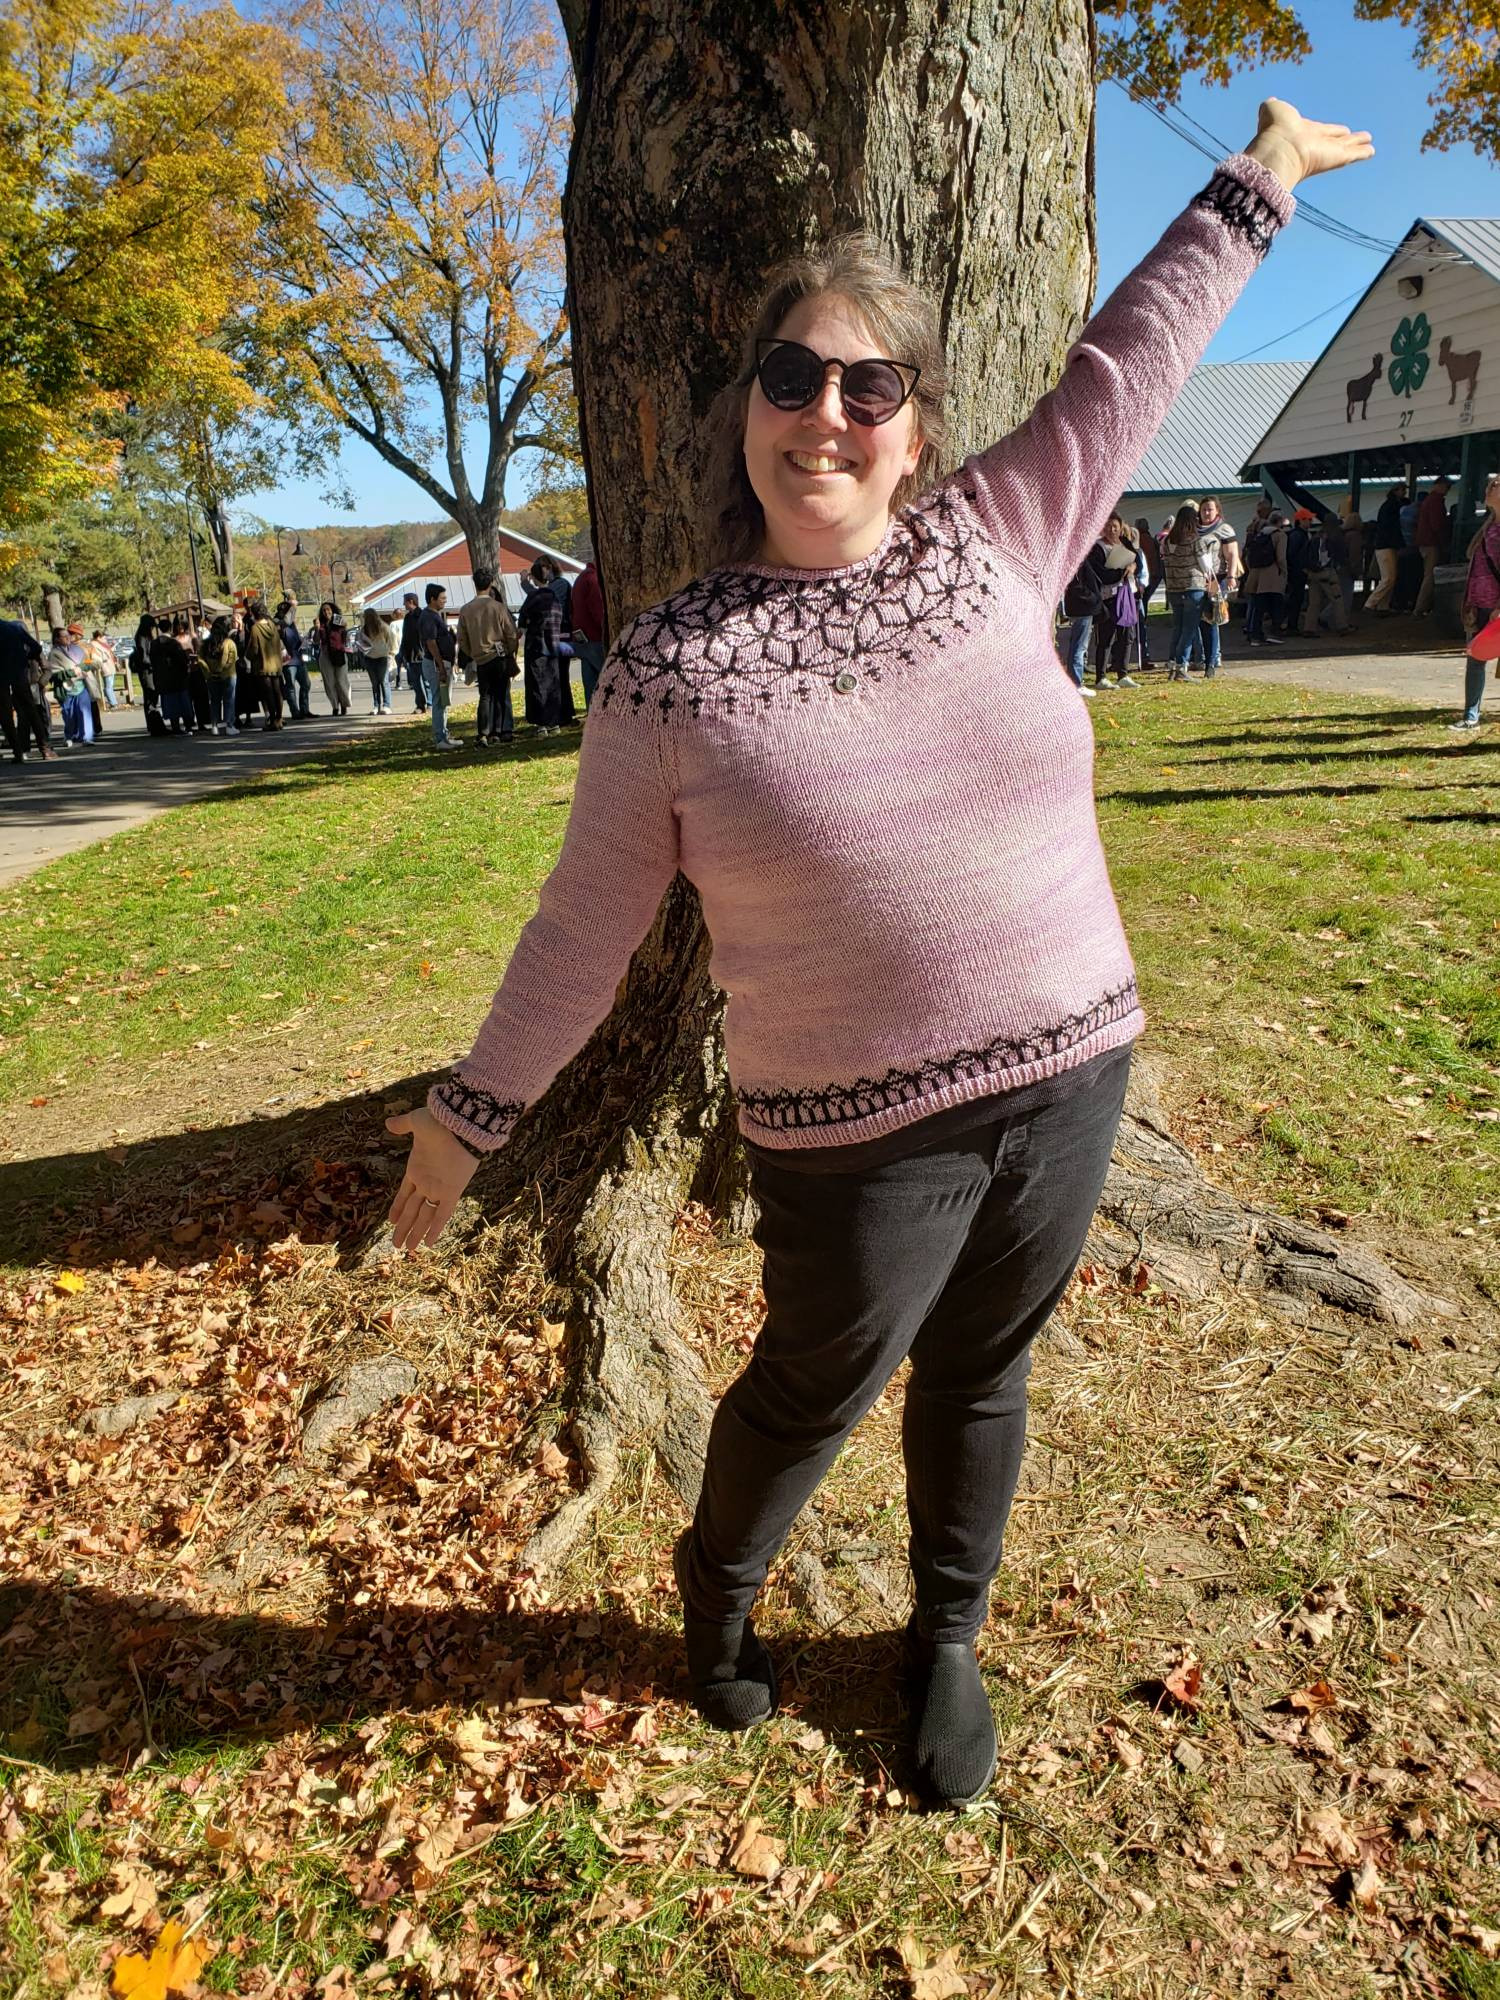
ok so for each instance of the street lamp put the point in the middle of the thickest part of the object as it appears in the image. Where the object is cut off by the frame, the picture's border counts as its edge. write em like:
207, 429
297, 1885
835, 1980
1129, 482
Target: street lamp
280, 566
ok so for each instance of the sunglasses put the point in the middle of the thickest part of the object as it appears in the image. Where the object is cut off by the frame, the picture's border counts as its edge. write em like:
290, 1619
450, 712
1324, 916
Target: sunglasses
792, 376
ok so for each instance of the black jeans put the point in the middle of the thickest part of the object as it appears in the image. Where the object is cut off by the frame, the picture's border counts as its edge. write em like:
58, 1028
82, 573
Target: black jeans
955, 1255
495, 717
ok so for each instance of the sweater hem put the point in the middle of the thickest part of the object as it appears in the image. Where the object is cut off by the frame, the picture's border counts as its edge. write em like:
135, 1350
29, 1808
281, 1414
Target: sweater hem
987, 1083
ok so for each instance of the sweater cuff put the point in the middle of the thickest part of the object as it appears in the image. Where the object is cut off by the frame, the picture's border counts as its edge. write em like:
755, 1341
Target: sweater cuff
1249, 200
480, 1121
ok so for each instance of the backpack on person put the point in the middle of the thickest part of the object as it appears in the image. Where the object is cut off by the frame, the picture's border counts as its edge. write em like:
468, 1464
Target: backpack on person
1260, 549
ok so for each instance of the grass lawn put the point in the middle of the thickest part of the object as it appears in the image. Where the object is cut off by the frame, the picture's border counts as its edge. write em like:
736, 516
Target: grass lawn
1245, 1650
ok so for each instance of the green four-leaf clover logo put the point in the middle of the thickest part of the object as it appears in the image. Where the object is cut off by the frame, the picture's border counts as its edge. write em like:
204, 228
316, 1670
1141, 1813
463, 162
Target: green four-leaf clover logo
1409, 355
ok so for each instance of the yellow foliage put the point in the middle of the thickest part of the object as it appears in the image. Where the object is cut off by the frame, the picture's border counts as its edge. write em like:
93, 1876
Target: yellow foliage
173, 1966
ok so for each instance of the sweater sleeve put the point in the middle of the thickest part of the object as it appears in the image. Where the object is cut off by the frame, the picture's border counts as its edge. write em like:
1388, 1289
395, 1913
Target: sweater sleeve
618, 858
1043, 490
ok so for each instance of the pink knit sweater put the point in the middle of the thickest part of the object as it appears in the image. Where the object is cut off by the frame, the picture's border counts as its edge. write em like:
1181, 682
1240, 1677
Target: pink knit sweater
878, 778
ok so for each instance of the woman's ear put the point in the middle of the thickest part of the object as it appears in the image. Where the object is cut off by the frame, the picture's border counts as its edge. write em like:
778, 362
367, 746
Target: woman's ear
914, 450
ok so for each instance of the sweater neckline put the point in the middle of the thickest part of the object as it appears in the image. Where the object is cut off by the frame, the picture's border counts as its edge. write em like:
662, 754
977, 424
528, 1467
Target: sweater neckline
783, 573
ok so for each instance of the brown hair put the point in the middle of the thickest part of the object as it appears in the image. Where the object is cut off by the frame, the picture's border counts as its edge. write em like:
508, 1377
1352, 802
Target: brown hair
896, 314
1186, 527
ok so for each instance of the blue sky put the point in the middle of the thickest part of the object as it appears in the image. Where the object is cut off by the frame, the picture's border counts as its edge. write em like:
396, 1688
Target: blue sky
1360, 72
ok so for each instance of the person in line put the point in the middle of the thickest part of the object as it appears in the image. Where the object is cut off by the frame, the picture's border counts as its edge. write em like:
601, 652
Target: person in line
378, 645
265, 652
1481, 601
1388, 543
588, 628
1432, 533
1191, 561
296, 681
99, 655
1327, 564
1115, 624
332, 637
930, 1083
411, 653
171, 660
1150, 549
1082, 601
439, 650
1409, 559
1352, 569
1299, 541
487, 638
1265, 579
23, 716
546, 661
562, 590
1230, 568
140, 655
221, 658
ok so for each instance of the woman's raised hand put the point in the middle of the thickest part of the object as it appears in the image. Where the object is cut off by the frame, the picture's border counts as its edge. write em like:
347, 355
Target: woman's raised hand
1294, 147
438, 1170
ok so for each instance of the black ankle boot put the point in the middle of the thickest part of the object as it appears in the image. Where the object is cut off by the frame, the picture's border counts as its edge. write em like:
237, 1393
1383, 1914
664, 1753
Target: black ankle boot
953, 1728
733, 1680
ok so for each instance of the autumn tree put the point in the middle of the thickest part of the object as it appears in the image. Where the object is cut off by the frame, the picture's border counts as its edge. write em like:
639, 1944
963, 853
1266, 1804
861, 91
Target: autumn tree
135, 144
411, 263
1153, 45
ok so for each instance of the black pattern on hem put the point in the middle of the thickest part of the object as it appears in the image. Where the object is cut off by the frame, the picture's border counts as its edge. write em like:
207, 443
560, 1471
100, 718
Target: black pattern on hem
1247, 213
802, 1110
736, 640
495, 1115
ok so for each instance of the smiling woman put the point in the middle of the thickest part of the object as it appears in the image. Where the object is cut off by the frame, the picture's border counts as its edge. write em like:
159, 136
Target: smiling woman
932, 1002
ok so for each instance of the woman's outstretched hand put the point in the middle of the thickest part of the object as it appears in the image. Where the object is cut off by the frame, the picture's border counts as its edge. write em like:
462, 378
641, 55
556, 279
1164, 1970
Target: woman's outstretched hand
438, 1170
1294, 147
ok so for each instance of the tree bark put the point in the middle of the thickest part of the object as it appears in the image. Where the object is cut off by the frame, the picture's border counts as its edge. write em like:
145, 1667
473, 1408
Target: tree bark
709, 144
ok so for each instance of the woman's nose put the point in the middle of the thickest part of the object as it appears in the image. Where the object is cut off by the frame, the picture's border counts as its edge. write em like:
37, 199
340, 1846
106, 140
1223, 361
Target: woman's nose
827, 407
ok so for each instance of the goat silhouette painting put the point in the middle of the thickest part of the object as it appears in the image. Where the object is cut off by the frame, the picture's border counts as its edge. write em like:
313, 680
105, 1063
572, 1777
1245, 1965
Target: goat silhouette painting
1461, 368
1357, 390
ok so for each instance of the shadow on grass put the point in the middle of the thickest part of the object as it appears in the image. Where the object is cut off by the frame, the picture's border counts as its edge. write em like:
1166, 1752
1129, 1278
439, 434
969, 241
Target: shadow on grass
1354, 725
1354, 755
149, 1671
1194, 795
117, 1203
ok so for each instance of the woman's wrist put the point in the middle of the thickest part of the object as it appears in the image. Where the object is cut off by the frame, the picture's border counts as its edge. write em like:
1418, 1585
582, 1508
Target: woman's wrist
1278, 157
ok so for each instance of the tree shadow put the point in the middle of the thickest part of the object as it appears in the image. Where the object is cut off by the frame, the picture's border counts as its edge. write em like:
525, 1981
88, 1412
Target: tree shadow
1476, 818
88, 1675
1384, 753
1189, 795
1255, 732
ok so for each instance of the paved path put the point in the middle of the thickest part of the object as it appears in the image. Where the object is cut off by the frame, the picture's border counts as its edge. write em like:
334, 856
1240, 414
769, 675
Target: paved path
126, 776
1343, 666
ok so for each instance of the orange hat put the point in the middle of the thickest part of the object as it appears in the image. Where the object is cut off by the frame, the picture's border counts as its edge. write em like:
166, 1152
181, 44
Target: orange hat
1304, 514
75, 630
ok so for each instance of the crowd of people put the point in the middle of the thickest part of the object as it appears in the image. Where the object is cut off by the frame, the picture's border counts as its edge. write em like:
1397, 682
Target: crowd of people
252, 667
1301, 574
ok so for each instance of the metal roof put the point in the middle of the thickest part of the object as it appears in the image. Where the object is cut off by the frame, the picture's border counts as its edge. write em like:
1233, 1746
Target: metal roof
1224, 410
382, 584
1477, 237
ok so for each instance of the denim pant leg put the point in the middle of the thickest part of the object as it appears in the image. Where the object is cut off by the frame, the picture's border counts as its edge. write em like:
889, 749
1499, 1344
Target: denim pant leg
1473, 687
437, 701
853, 1265
964, 1427
1078, 648
1208, 638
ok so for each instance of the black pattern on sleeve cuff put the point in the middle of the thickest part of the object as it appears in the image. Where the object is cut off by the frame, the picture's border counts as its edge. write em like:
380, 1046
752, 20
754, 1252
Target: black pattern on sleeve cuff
1247, 213
494, 1116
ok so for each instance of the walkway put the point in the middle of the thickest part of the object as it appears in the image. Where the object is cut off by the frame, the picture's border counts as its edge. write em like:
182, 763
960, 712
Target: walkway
47, 810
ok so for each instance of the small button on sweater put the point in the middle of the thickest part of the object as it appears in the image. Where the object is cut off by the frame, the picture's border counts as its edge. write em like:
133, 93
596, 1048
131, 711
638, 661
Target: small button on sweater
906, 890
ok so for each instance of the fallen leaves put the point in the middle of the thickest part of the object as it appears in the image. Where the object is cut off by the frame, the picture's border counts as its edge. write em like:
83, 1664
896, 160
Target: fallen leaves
754, 1853
173, 1967
936, 1979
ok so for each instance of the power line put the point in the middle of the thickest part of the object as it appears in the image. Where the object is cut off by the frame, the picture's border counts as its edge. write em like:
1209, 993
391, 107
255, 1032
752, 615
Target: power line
1358, 292
1177, 120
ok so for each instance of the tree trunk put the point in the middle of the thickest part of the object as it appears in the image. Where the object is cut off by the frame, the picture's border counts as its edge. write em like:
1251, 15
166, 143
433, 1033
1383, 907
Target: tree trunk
222, 536
708, 145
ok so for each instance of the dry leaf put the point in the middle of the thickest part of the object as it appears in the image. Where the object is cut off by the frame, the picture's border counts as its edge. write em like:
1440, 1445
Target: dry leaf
1325, 1831
1184, 1682
87, 1721
1144, 1903
1310, 1624
477, 1748
173, 1967
941, 1980
1309, 1700
134, 1899
1127, 1754
1487, 1941
550, 1462
1366, 1886
70, 1281
755, 1854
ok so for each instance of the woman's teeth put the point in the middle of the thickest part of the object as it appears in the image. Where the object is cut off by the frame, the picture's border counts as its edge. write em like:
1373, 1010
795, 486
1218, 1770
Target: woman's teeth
819, 462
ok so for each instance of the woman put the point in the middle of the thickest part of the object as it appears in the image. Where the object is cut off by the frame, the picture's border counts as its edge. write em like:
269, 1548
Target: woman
171, 662
220, 664
332, 638
1112, 634
1481, 601
1150, 549
194, 635
932, 1001
1190, 561
377, 643
541, 626
1265, 579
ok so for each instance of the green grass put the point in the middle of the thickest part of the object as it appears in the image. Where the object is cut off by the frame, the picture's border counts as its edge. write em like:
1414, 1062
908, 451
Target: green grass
1309, 882
354, 890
